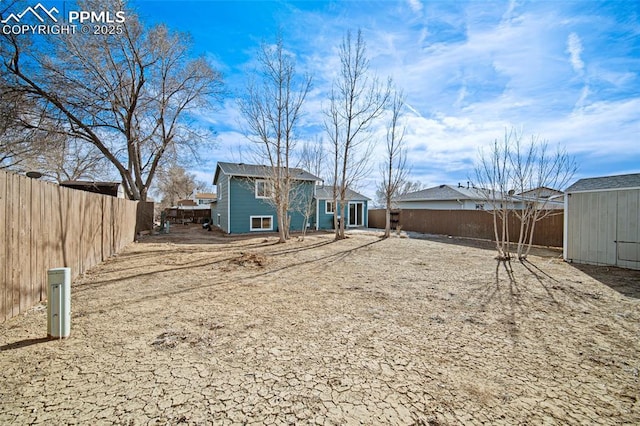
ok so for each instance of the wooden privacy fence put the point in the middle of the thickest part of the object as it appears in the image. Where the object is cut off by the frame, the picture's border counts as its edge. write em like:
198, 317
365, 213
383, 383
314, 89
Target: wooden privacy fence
43, 226
470, 224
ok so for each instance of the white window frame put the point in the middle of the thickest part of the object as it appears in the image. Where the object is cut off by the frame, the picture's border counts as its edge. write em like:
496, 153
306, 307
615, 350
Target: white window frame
268, 188
261, 228
326, 207
359, 219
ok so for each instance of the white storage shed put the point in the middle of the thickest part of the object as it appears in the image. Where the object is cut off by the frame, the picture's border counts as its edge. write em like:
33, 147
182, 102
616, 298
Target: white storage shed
602, 221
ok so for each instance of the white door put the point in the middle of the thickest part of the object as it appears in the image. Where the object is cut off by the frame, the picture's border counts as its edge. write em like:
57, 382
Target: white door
356, 213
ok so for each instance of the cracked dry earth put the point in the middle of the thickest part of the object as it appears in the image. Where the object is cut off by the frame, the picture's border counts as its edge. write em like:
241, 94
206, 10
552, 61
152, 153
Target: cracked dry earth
197, 328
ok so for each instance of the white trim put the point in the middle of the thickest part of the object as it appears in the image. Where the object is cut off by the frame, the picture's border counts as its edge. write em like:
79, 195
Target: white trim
348, 222
266, 188
631, 188
317, 214
251, 228
326, 209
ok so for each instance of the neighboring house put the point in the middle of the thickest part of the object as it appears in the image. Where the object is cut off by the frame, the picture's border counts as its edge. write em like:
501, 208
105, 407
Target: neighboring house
356, 211
204, 198
547, 198
194, 209
444, 197
449, 197
113, 189
602, 221
243, 198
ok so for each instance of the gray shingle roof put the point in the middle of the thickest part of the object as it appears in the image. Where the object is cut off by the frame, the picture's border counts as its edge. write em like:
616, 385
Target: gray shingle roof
325, 192
444, 192
606, 182
257, 171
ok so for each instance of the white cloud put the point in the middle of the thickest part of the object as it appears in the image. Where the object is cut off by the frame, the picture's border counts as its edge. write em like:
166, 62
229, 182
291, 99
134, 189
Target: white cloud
574, 47
415, 5
504, 67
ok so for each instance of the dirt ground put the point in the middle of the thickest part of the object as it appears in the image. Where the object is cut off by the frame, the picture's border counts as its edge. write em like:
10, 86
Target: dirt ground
199, 328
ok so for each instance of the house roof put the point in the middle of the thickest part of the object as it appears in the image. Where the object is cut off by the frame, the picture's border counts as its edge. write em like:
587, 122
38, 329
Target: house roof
606, 182
541, 192
444, 192
205, 195
257, 171
325, 192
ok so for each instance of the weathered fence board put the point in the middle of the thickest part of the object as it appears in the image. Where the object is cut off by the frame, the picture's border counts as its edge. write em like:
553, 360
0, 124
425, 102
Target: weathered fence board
44, 226
470, 224
3, 246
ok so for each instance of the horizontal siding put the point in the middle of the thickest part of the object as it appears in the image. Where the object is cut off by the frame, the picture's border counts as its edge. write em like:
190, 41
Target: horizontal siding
301, 202
325, 221
222, 204
244, 204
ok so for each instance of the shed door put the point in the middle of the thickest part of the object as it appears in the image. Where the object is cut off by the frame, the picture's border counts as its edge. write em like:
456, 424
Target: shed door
628, 229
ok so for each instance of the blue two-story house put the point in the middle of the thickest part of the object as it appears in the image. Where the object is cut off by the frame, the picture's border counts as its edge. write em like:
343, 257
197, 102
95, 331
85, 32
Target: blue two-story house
243, 202
243, 198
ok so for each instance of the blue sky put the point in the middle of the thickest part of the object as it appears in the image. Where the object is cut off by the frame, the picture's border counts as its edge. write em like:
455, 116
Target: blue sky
568, 72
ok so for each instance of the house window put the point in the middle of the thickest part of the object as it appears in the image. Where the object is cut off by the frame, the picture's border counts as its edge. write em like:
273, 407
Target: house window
261, 223
329, 207
479, 206
218, 220
264, 189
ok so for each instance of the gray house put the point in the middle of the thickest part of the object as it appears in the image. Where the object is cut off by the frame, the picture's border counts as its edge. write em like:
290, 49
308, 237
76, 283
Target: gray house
444, 197
460, 197
602, 221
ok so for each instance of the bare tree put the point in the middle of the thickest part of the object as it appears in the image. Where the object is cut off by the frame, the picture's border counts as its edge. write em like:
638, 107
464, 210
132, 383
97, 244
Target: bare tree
272, 110
312, 156
311, 160
536, 171
19, 140
357, 99
394, 169
130, 95
515, 179
493, 179
174, 184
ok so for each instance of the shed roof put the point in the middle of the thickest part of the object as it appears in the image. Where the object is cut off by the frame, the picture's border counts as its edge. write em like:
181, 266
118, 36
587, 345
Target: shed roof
606, 182
258, 171
325, 192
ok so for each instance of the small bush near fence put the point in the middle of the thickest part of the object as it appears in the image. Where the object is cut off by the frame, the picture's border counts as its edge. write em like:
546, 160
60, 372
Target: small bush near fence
44, 226
469, 224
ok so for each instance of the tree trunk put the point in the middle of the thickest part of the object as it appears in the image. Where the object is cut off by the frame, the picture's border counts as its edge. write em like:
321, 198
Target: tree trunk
387, 226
